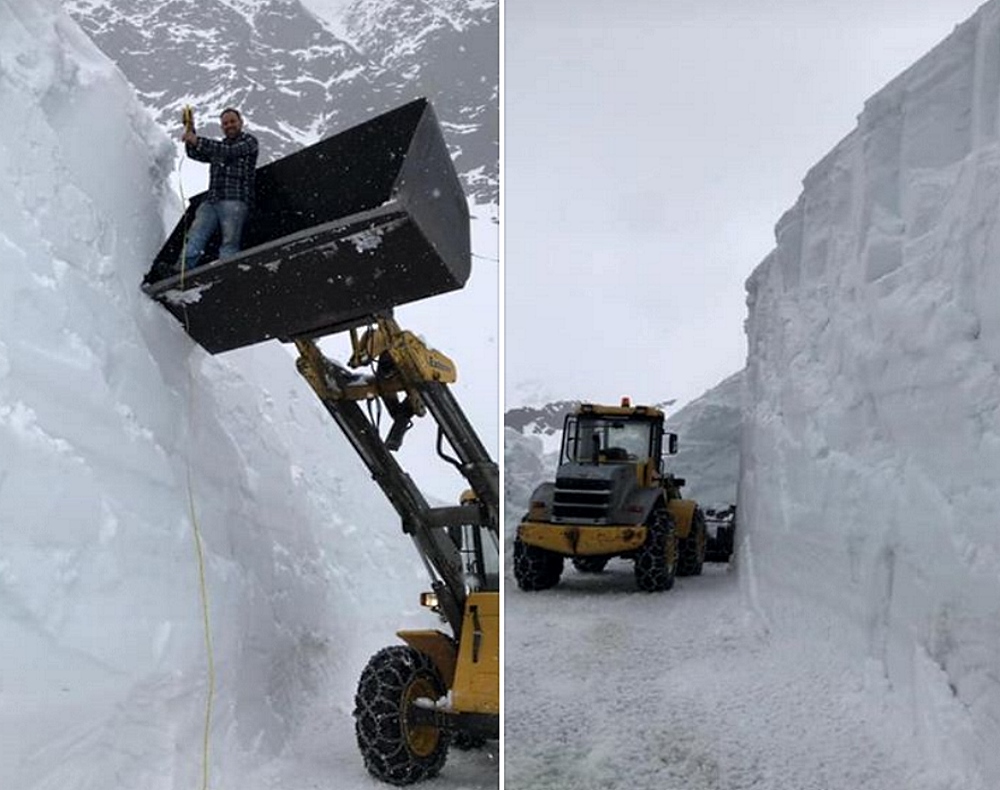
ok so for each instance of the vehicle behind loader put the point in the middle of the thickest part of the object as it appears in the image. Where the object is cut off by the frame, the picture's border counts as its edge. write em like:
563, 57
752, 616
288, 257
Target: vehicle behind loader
611, 498
343, 232
721, 533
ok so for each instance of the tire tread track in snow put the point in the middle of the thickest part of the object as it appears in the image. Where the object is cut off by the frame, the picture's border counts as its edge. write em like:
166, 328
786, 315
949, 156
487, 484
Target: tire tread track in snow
608, 688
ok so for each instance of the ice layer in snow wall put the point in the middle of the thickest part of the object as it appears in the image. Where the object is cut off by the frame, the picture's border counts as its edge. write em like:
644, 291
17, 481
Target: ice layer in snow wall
353, 225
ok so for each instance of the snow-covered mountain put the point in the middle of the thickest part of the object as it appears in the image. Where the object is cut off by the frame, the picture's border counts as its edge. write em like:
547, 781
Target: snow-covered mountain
526, 464
708, 443
299, 77
547, 420
124, 447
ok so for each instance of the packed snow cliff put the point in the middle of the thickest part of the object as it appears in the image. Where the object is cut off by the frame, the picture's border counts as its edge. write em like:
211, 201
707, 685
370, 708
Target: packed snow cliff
869, 494
119, 438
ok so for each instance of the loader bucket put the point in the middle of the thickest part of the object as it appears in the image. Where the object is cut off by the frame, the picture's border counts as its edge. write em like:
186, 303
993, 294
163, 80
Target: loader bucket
350, 227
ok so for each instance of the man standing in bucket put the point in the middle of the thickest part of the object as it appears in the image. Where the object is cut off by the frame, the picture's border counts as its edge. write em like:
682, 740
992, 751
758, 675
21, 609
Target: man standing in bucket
232, 165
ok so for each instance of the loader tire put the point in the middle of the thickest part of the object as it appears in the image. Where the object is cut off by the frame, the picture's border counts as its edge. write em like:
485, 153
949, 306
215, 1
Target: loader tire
535, 568
590, 564
394, 749
691, 550
656, 560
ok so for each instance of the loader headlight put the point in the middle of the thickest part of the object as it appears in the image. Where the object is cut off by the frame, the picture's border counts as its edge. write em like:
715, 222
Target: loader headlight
429, 599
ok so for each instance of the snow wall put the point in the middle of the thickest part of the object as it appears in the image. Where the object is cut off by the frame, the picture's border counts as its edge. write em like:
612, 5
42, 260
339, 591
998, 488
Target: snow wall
869, 496
113, 427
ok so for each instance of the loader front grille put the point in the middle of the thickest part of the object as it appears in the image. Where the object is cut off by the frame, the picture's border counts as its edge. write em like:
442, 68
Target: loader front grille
581, 500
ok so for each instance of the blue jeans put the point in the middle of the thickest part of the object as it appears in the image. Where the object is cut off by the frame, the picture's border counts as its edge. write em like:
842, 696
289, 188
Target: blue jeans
227, 214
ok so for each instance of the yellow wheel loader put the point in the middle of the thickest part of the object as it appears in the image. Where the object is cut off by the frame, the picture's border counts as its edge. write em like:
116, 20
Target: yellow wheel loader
342, 232
611, 497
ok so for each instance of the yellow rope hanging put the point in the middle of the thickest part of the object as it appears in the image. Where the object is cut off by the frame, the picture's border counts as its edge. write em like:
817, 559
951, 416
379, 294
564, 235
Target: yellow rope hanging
207, 625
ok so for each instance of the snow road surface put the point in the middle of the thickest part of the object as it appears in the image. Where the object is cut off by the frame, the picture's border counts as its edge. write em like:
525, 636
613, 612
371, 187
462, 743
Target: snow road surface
324, 756
608, 688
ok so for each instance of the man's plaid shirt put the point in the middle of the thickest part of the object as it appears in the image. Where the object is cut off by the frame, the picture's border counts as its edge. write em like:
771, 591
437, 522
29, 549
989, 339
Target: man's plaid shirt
232, 166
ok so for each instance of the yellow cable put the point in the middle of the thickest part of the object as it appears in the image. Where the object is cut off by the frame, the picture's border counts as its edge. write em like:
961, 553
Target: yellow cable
205, 619
203, 587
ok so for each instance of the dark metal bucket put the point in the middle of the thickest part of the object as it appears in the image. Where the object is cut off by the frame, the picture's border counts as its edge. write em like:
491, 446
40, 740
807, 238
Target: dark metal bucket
350, 227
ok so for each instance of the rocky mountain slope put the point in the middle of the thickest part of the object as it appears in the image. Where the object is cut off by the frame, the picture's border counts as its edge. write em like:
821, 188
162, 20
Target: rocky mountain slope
547, 419
297, 80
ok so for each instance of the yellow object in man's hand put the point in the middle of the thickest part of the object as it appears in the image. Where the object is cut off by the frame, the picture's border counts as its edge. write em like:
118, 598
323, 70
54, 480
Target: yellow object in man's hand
187, 116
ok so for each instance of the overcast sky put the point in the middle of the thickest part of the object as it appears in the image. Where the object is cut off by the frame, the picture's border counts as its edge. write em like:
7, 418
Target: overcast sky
650, 146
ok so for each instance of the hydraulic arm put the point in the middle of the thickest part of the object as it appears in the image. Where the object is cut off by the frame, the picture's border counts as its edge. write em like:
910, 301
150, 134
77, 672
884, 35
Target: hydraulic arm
409, 379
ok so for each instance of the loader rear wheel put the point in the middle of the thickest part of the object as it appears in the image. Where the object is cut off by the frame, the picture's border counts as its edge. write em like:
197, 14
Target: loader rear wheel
656, 560
535, 568
395, 749
590, 564
691, 550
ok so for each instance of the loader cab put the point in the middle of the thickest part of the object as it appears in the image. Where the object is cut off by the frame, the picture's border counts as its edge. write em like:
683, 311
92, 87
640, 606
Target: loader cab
593, 437
479, 547
480, 551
